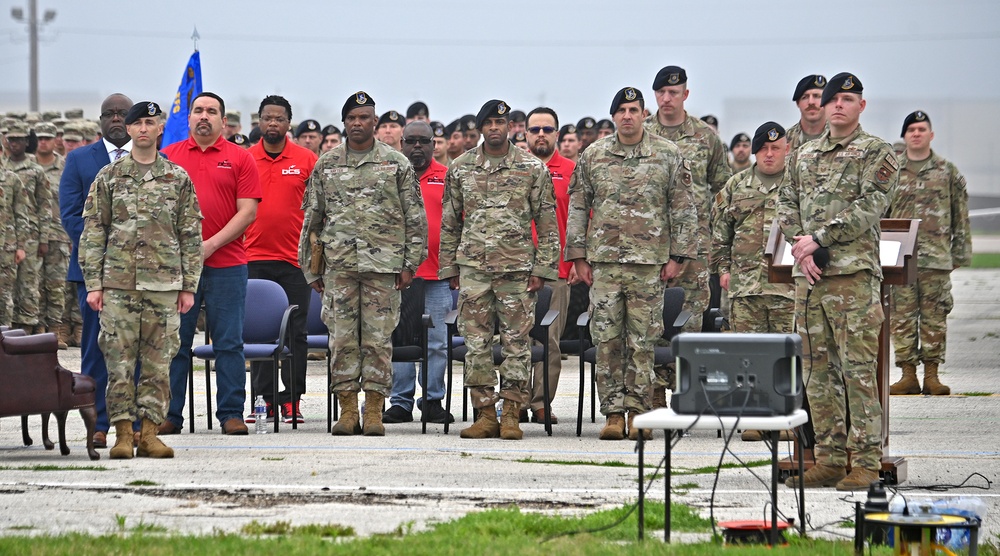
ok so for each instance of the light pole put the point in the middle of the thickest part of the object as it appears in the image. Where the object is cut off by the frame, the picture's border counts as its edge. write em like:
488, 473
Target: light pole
33, 26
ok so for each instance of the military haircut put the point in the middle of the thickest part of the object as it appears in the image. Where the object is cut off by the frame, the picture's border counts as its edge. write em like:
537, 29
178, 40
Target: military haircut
275, 100
543, 110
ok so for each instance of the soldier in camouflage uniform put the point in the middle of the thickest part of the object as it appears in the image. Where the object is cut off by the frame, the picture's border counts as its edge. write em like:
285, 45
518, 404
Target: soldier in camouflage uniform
37, 245
491, 196
812, 120
15, 206
706, 154
933, 190
741, 223
364, 209
141, 254
632, 227
837, 192
52, 287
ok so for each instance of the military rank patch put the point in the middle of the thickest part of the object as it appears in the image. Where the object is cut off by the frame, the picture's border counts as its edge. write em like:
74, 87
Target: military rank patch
887, 170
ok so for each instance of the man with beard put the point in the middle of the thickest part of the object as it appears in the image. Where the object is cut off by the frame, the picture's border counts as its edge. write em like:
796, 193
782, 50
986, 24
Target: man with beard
228, 187
492, 195
417, 147
739, 148
82, 166
542, 129
272, 243
812, 120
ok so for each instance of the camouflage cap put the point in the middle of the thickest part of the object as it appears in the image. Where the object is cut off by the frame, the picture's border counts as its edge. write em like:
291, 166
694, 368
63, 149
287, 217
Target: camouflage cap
45, 129
233, 117
17, 115
841, 83
60, 122
254, 118
50, 115
74, 114
72, 131
33, 117
914, 117
90, 130
768, 132
5, 123
17, 129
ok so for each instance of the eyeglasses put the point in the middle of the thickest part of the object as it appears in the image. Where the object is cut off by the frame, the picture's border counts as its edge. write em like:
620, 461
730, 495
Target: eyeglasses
109, 114
415, 140
276, 119
541, 129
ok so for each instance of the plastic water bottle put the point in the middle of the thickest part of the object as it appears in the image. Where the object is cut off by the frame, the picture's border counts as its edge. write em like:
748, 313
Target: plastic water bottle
260, 412
499, 409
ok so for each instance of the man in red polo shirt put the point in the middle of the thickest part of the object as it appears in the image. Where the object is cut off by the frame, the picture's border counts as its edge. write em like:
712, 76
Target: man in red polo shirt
272, 242
542, 131
228, 188
418, 147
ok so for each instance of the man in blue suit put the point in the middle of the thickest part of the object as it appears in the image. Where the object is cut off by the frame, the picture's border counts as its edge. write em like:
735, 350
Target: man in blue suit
82, 165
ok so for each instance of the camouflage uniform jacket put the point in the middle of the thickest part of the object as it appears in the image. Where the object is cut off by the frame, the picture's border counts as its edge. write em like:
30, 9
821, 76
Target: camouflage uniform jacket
54, 173
838, 191
37, 185
487, 214
709, 161
936, 195
367, 212
15, 207
796, 138
631, 204
741, 224
141, 232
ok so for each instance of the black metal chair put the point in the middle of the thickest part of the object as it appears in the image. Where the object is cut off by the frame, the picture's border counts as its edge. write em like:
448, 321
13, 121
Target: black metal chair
544, 317
674, 318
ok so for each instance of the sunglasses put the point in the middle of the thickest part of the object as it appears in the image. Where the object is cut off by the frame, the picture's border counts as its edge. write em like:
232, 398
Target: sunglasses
415, 140
541, 129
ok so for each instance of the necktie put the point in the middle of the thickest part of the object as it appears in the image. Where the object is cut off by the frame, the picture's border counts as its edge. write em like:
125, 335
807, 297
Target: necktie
119, 153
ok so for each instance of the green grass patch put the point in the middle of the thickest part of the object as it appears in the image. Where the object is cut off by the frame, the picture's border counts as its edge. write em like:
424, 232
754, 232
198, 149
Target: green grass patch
575, 462
285, 528
974, 394
144, 528
710, 469
142, 483
54, 468
985, 260
272, 459
21, 527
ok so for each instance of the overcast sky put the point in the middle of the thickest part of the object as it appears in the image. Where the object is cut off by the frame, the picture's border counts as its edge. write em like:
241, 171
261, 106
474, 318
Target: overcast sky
570, 55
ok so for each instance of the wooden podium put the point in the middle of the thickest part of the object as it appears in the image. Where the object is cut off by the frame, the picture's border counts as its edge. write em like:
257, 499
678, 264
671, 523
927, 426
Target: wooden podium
899, 268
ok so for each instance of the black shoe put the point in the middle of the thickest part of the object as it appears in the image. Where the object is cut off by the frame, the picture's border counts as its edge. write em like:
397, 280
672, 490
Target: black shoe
436, 413
396, 414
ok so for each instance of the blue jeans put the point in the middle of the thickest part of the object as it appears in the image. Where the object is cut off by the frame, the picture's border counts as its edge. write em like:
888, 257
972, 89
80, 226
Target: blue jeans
224, 292
437, 303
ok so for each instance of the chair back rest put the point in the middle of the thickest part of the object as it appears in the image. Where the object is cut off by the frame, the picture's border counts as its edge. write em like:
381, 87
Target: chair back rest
265, 304
673, 304
543, 299
314, 320
409, 330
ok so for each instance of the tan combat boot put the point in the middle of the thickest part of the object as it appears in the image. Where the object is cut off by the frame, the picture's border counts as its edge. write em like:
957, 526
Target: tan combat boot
62, 332
859, 479
659, 397
633, 433
933, 386
509, 427
350, 420
819, 475
149, 445
374, 403
77, 335
123, 440
614, 429
908, 384
486, 426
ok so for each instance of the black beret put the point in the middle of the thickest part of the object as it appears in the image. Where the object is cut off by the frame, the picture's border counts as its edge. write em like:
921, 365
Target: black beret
438, 129
566, 130
307, 125
239, 139
492, 109
330, 130
520, 137
468, 123
144, 109
766, 133
518, 116
605, 124
738, 138
587, 123
816, 81
914, 117
359, 98
627, 94
841, 83
417, 109
453, 127
392, 117
710, 120
670, 75
254, 136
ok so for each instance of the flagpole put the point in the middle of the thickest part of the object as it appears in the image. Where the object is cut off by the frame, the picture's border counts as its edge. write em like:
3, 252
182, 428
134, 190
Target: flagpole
194, 38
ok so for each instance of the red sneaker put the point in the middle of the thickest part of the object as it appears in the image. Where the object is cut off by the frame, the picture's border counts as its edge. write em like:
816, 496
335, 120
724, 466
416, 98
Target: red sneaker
290, 410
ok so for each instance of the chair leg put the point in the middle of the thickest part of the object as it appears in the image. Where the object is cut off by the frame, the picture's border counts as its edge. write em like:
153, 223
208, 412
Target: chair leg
208, 392
579, 401
593, 393
547, 404
191, 395
274, 392
447, 393
423, 376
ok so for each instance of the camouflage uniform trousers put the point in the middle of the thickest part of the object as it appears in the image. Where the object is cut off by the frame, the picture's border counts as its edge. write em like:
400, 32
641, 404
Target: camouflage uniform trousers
919, 317
762, 314
840, 347
139, 327
486, 298
559, 302
8, 278
52, 286
694, 280
361, 309
71, 307
626, 312
26, 288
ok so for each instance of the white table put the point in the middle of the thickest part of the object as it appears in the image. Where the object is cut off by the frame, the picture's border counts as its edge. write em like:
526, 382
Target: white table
666, 420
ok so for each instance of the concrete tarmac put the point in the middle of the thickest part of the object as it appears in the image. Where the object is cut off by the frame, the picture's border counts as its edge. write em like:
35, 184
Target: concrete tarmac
220, 483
